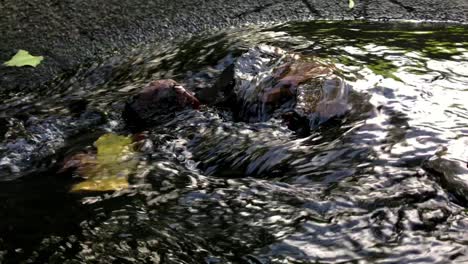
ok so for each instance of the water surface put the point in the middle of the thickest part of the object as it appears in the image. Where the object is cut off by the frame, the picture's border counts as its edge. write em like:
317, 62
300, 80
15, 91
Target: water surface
355, 191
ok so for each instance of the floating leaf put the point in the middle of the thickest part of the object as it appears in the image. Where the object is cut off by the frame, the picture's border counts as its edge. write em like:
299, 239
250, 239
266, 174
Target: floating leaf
351, 4
23, 58
108, 170
101, 185
111, 146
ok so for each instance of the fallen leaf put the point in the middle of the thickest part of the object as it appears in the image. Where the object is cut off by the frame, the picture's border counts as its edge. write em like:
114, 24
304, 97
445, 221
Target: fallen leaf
351, 4
101, 185
23, 58
111, 146
109, 168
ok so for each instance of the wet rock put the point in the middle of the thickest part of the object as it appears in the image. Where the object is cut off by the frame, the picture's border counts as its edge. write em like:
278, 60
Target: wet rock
221, 90
78, 106
159, 98
450, 164
3, 127
322, 98
297, 123
79, 162
29, 144
271, 82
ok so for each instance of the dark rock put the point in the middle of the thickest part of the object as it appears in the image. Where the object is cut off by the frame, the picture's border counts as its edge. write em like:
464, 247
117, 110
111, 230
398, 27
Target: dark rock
450, 165
297, 123
78, 106
221, 91
159, 98
29, 145
3, 127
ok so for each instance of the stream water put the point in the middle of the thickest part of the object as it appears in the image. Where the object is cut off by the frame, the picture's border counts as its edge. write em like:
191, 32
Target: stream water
370, 187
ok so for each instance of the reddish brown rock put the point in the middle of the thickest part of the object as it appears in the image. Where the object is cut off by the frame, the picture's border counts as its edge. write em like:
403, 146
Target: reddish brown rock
79, 162
290, 76
158, 98
272, 82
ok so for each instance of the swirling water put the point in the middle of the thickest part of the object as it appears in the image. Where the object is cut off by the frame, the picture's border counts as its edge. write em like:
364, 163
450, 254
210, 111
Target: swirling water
212, 190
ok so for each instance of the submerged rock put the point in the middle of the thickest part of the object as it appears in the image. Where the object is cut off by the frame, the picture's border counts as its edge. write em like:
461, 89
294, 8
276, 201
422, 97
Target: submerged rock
271, 82
159, 98
264, 82
450, 164
221, 89
28, 144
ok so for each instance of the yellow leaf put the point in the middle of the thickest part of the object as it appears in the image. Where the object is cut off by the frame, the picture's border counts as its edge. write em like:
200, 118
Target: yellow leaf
101, 185
351, 4
111, 147
115, 160
23, 58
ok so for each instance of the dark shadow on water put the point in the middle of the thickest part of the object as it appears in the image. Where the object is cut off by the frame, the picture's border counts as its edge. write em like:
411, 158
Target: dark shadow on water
34, 208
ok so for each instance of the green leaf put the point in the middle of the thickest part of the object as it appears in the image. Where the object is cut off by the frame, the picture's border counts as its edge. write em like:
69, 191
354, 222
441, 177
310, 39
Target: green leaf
351, 4
23, 58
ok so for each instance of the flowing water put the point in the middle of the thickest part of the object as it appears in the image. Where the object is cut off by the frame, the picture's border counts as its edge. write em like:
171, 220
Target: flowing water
370, 187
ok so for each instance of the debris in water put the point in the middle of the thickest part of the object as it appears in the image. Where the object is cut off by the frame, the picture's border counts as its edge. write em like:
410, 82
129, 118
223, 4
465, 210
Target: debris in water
23, 58
107, 169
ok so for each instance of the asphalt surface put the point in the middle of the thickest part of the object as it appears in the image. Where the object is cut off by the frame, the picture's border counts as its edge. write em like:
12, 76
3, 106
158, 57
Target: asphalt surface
69, 33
